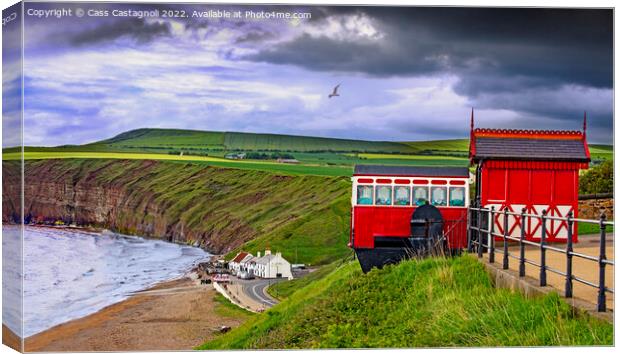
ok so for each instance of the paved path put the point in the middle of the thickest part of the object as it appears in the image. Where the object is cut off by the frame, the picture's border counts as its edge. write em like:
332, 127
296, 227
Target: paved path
585, 269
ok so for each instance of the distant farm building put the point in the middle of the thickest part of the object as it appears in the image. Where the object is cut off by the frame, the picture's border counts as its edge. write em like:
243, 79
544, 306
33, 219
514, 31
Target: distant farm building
235, 156
291, 161
535, 170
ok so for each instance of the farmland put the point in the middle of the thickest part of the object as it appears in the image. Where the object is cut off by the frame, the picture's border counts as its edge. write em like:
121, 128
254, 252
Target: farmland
199, 160
601, 152
316, 155
420, 303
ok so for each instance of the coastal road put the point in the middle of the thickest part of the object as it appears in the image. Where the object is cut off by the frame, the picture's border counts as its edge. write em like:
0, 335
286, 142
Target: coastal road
256, 290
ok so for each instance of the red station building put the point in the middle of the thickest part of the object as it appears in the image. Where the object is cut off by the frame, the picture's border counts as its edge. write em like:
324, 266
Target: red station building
533, 169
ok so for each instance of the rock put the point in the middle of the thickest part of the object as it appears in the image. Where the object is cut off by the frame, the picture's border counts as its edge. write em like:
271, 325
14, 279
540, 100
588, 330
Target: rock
224, 329
592, 208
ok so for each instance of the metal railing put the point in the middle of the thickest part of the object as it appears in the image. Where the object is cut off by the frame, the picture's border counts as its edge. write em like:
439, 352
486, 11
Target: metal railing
479, 239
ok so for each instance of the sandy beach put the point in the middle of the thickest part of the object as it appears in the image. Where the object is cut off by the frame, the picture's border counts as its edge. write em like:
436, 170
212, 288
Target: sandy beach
175, 315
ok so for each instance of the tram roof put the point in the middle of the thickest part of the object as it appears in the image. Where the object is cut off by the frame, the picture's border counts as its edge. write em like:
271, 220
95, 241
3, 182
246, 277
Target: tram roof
413, 171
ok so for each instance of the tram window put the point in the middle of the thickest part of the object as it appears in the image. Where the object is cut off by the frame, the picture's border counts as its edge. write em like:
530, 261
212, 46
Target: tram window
364, 195
420, 195
401, 195
438, 196
457, 196
383, 195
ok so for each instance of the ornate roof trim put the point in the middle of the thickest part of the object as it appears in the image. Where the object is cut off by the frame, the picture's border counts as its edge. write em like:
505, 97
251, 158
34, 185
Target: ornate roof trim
528, 134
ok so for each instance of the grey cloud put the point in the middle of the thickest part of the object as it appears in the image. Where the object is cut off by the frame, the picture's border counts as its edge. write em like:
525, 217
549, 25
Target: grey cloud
557, 45
254, 36
512, 59
326, 54
138, 29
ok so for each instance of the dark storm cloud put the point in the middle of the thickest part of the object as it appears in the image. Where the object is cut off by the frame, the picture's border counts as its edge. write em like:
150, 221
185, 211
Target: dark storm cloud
136, 28
326, 54
254, 36
541, 46
542, 63
195, 25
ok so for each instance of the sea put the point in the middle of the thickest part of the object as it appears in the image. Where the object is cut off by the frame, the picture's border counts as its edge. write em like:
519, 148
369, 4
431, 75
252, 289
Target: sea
70, 273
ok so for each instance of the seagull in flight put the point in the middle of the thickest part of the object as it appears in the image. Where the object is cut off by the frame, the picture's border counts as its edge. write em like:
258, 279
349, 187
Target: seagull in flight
335, 93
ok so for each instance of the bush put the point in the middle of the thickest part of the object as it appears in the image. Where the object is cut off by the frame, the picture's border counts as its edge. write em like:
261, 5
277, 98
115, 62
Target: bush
598, 179
264, 156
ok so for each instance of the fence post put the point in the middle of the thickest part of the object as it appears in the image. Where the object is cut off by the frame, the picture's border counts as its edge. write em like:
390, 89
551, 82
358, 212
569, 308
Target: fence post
470, 221
478, 233
543, 261
505, 262
602, 305
491, 236
522, 245
568, 289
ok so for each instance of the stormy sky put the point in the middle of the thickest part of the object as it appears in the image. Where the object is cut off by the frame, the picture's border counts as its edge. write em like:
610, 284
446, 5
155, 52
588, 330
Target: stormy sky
406, 73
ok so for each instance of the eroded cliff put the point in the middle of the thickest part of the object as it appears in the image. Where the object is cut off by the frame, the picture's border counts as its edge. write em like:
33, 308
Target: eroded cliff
216, 208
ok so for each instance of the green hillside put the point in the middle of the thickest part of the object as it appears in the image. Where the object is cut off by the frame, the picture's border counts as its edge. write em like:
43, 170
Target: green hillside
166, 138
249, 141
175, 138
430, 303
304, 217
453, 145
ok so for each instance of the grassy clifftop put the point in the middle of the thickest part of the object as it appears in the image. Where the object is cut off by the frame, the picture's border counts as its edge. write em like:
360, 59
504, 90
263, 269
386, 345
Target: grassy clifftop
429, 303
304, 217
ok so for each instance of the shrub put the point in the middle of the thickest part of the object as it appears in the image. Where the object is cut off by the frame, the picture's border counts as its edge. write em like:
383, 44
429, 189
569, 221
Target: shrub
598, 179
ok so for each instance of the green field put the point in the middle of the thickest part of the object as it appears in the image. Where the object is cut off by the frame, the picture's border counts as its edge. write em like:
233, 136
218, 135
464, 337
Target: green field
269, 166
601, 152
590, 229
317, 155
430, 303
453, 145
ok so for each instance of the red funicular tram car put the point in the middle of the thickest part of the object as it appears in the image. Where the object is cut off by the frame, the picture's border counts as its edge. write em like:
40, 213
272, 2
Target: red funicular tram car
384, 204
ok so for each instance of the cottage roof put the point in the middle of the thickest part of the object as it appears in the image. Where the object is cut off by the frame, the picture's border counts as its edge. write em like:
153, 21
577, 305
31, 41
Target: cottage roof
264, 259
382, 170
247, 258
240, 256
540, 145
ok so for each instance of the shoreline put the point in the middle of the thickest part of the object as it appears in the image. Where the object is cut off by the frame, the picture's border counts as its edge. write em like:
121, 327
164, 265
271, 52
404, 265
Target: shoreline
100, 229
173, 314
184, 269
177, 314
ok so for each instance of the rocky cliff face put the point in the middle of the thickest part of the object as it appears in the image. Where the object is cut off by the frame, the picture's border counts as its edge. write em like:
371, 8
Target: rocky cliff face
218, 209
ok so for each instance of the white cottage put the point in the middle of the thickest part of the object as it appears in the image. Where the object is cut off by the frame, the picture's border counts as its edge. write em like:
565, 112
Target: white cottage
240, 260
271, 266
